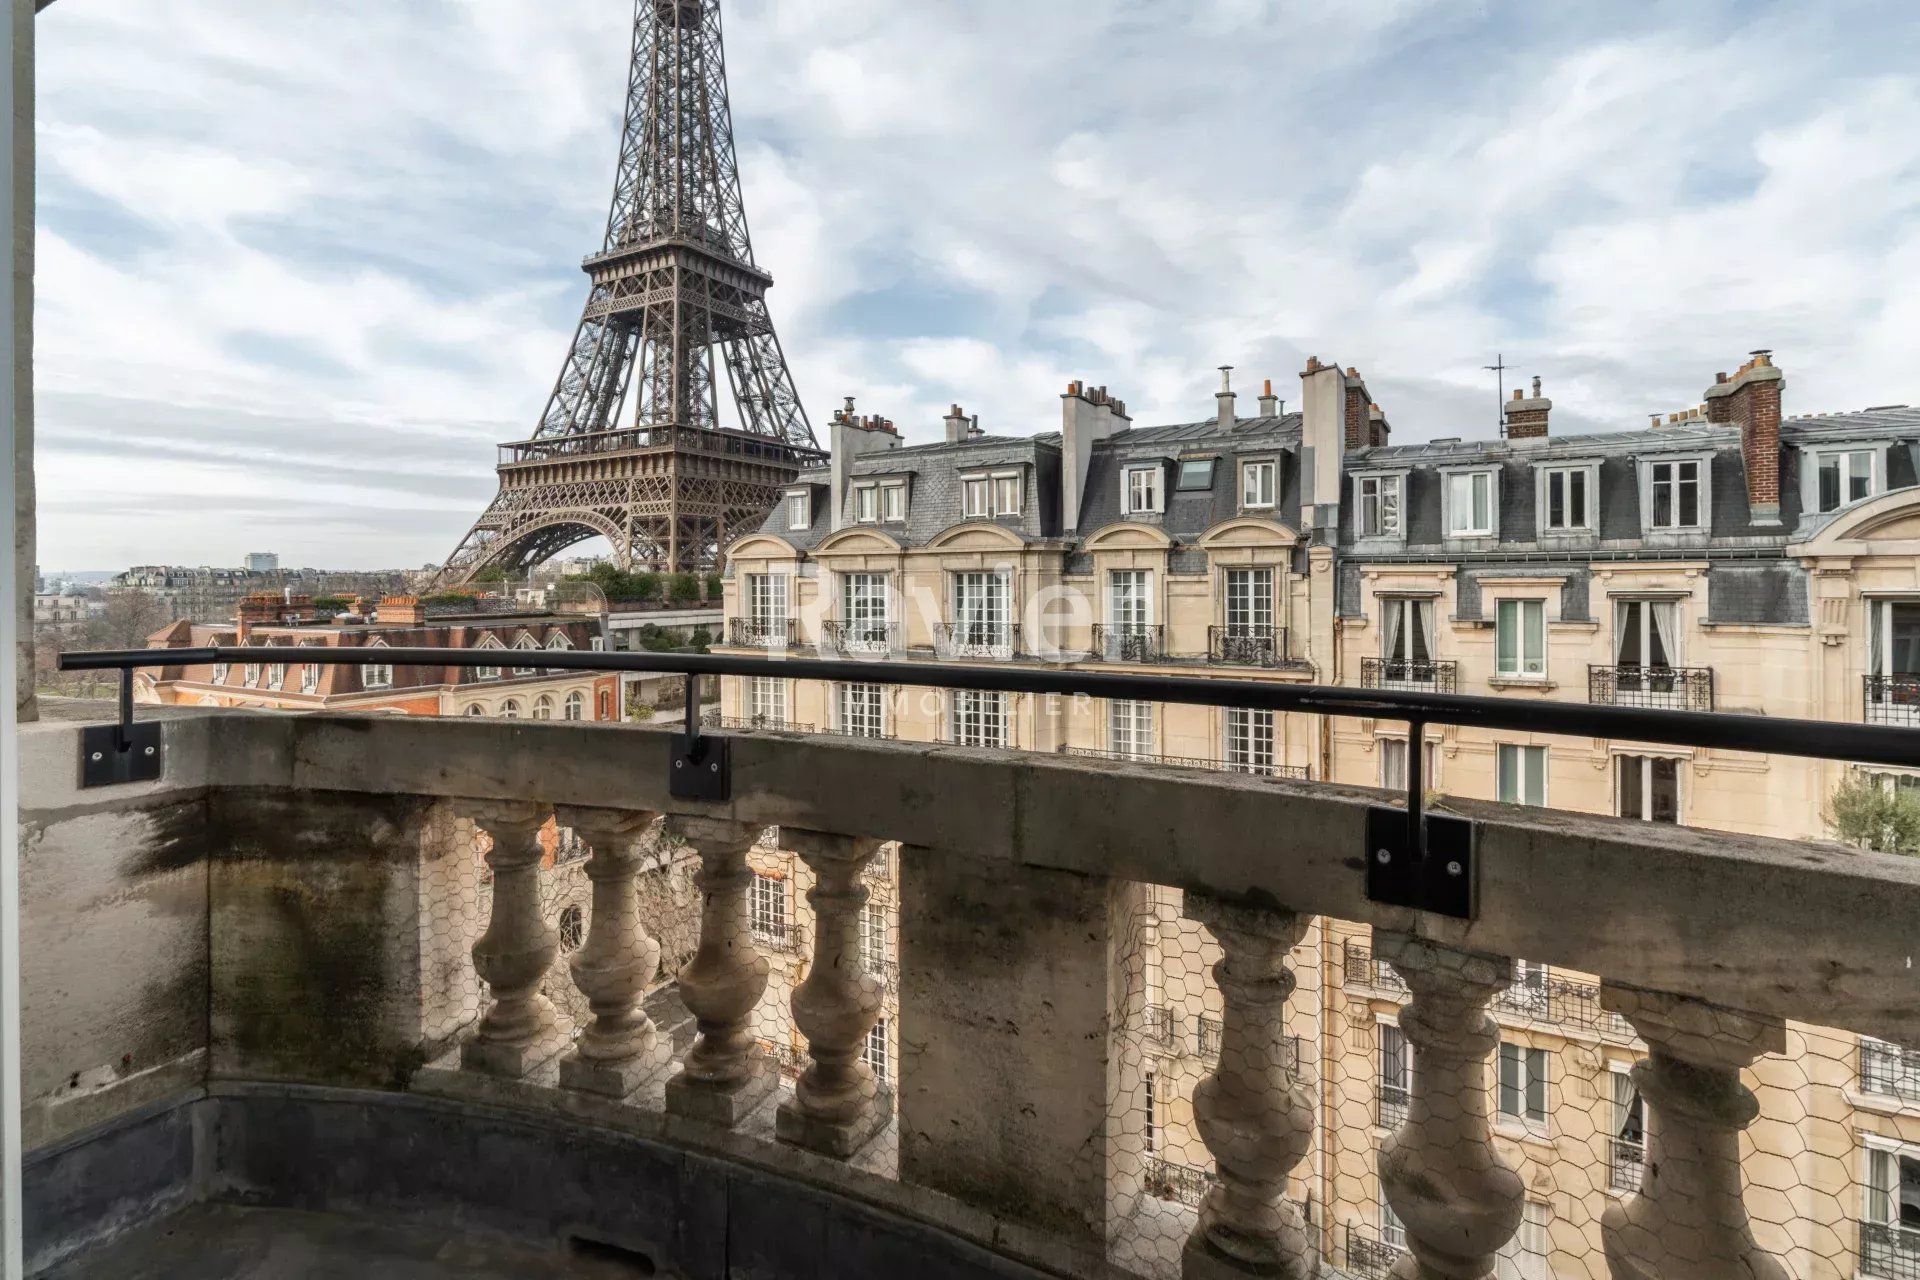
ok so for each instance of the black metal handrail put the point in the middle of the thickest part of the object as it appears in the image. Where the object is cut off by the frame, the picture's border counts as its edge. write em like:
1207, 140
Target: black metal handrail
1680, 688
1167, 1180
977, 639
1128, 642
1246, 645
763, 633
1299, 772
860, 637
1889, 1070
1626, 1164
1400, 675
1889, 1251
773, 724
1891, 700
1369, 1256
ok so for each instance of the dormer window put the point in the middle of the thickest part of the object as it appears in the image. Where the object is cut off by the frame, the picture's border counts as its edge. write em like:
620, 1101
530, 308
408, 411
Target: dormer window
1676, 494
799, 509
524, 642
1258, 483
1140, 490
1006, 493
1568, 499
1196, 476
487, 673
377, 675
893, 504
866, 504
1843, 476
977, 497
1379, 505
1470, 504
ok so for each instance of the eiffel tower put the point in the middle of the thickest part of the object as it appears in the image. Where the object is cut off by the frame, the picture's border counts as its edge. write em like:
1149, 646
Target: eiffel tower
674, 283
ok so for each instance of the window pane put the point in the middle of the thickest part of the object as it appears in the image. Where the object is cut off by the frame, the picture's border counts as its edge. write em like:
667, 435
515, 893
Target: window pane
1507, 637
1534, 613
1663, 495
1576, 499
1666, 790
1689, 494
1556, 500
1829, 482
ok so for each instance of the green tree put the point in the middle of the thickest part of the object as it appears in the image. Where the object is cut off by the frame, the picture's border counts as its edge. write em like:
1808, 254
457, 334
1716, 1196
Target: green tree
714, 586
683, 586
1870, 814
700, 641
332, 604
491, 574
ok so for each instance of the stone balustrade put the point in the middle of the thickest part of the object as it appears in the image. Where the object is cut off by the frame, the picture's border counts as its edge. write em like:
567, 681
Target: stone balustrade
1032, 1105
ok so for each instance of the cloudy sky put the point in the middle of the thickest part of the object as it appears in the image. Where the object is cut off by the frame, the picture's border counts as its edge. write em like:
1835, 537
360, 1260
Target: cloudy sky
302, 265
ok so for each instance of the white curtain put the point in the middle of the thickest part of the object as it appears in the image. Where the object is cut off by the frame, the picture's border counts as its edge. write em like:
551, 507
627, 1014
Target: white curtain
1664, 613
1421, 648
1626, 630
1395, 611
1876, 637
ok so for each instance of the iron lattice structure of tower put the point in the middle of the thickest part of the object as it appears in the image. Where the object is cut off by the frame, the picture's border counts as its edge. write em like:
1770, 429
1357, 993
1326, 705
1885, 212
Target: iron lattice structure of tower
674, 283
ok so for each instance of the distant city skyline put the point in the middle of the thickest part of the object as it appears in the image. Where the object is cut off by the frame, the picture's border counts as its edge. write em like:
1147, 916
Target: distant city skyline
300, 271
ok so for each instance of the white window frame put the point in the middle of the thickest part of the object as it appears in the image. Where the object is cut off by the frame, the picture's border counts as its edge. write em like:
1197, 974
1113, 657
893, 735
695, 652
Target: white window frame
866, 613
310, 677
576, 706
861, 710
1875, 1148
488, 673
978, 718
893, 504
876, 942
1645, 761
1393, 764
558, 640
1518, 612
377, 675
874, 1049
1525, 1254
1131, 729
1142, 489
1651, 480
1488, 528
982, 613
1154, 1116
866, 504
976, 496
1533, 1069
1007, 493
1247, 600
769, 908
1250, 740
1132, 609
1530, 766
1817, 457
543, 707
276, 675
799, 509
1259, 484
525, 644
510, 709
766, 602
221, 671
1619, 1111
1589, 472
1381, 497
768, 700
1385, 1028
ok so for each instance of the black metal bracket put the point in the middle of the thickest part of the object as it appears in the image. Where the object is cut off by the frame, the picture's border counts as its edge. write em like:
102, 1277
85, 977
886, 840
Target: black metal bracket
113, 754
1417, 859
702, 766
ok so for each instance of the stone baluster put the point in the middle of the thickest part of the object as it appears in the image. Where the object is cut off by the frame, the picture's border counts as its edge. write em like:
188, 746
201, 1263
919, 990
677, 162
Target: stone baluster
1254, 1114
725, 1074
838, 1104
1689, 1218
621, 1048
1459, 1201
520, 1029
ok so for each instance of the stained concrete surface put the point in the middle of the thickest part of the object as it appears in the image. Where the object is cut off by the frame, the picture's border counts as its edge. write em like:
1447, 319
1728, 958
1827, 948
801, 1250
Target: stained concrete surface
226, 1242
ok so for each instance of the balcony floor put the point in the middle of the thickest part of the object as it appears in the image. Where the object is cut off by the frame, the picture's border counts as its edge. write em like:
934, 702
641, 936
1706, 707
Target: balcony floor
226, 1242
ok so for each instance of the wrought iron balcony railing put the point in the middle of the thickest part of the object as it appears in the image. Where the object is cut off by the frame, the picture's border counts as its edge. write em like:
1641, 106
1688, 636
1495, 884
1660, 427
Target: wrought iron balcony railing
1392, 1101
1157, 1021
748, 724
1889, 1070
1892, 700
974, 640
1128, 642
1179, 1182
1298, 772
1247, 646
1409, 677
1368, 1256
1626, 1162
1669, 688
1359, 967
1540, 995
783, 936
763, 633
1889, 1251
1210, 1032
860, 639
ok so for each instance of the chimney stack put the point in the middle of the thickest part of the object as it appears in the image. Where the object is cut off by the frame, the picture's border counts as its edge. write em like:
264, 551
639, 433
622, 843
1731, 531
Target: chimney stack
849, 435
1377, 428
1270, 404
1356, 410
1323, 410
1527, 414
1224, 399
406, 610
1751, 400
958, 425
260, 609
1087, 414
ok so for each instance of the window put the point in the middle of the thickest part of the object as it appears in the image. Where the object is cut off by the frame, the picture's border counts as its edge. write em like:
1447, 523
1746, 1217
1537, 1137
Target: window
982, 609
863, 602
1250, 602
866, 504
799, 509
1844, 477
543, 707
1249, 741
1393, 764
606, 705
1392, 1230
1523, 774
251, 675
310, 678
1469, 504
767, 700
1674, 495
1395, 1085
1130, 600
573, 928
576, 706
1567, 505
487, 673
1520, 639
220, 670
1257, 483
522, 645
510, 709
977, 496
979, 718
476, 710
1646, 633
558, 640
1890, 1226
1140, 490
1649, 788
767, 597
1130, 729
277, 676
1524, 1257
893, 504
1380, 506
767, 908
874, 951
1155, 1111
863, 710
1893, 638
874, 1051
1523, 1083
1195, 476
568, 846
1006, 494
379, 675
1629, 1141
1406, 635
